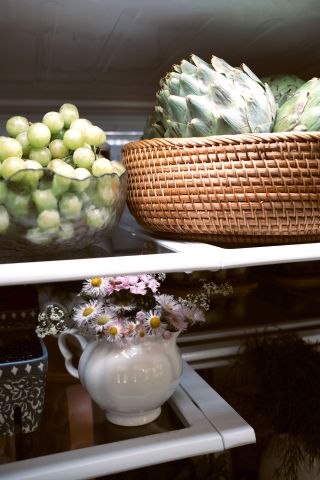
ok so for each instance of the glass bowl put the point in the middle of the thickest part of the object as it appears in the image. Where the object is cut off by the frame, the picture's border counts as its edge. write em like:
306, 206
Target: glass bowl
42, 212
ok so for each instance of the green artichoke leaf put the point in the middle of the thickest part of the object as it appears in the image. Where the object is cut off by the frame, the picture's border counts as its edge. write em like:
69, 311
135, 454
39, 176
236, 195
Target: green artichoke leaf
162, 97
189, 85
236, 120
286, 123
271, 103
288, 115
178, 108
187, 67
176, 129
198, 62
225, 95
283, 86
173, 84
314, 93
199, 128
259, 120
158, 113
177, 68
201, 107
220, 66
250, 73
310, 120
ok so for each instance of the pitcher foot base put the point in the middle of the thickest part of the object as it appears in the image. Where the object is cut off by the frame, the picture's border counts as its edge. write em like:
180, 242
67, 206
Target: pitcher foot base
133, 420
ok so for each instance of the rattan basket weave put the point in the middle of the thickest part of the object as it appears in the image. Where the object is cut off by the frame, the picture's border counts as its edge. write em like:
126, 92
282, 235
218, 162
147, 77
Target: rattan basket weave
237, 189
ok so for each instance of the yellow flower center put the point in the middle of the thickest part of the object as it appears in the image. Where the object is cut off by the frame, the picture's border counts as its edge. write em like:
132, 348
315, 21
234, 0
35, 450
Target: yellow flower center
96, 282
155, 322
141, 333
87, 311
113, 330
103, 320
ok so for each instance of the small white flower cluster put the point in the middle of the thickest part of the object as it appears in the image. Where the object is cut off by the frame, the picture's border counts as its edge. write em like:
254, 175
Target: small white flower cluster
204, 297
51, 321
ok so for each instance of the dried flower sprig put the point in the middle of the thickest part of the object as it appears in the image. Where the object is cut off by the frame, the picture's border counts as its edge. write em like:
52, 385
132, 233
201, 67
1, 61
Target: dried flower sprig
129, 308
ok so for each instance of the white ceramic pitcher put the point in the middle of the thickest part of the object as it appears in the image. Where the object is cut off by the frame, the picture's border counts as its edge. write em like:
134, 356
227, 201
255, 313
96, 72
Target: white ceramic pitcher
129, 383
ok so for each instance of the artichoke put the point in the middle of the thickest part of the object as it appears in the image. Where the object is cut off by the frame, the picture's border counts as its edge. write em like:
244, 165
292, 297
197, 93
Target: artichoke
199, 99
301, 112
283, 86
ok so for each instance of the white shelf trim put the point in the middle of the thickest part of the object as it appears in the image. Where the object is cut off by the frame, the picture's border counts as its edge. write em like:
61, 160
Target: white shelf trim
204, 433
185, 257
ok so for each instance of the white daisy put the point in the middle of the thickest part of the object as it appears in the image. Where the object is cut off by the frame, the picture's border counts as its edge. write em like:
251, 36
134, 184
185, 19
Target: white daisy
130, 329
114, 332
153, 323
95, 287
140, 331
87, 311
107, 315
167, 302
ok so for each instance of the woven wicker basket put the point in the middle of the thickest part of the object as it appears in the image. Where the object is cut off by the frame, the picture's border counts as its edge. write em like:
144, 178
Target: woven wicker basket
238, 189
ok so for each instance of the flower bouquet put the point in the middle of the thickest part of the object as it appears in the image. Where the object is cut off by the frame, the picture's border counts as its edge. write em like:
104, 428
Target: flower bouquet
127, 330
125, 308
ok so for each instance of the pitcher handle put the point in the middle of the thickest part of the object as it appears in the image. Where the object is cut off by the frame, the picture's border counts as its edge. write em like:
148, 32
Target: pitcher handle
64, 349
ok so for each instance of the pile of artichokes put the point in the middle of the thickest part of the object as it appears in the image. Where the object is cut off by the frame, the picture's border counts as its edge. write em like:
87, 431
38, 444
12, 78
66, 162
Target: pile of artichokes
199, 99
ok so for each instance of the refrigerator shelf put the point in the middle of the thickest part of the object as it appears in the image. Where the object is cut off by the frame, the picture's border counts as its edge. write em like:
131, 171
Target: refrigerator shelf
209, 425
131, 250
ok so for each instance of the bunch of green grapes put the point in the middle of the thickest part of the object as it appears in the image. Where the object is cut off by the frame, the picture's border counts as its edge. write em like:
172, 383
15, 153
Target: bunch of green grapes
83, 187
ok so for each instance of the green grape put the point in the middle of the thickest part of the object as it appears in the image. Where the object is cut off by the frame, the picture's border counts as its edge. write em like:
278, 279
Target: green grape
58, 149
34, 173
22, 138
65, 170
69, 113
101, 166
62, 181
66, 231
4, 219
118, 167
55, 162
104, 190
49, 220
11, 166
60, 185
86, 199
3, 191
39, 135
97, 218
18, 204
95, 135
83, 157
70, 206
16, 125
35, 235
34, 165
41, 155
44, 200
58, 135
54, 121
81, 124
9, 147
81, 179
73, 139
